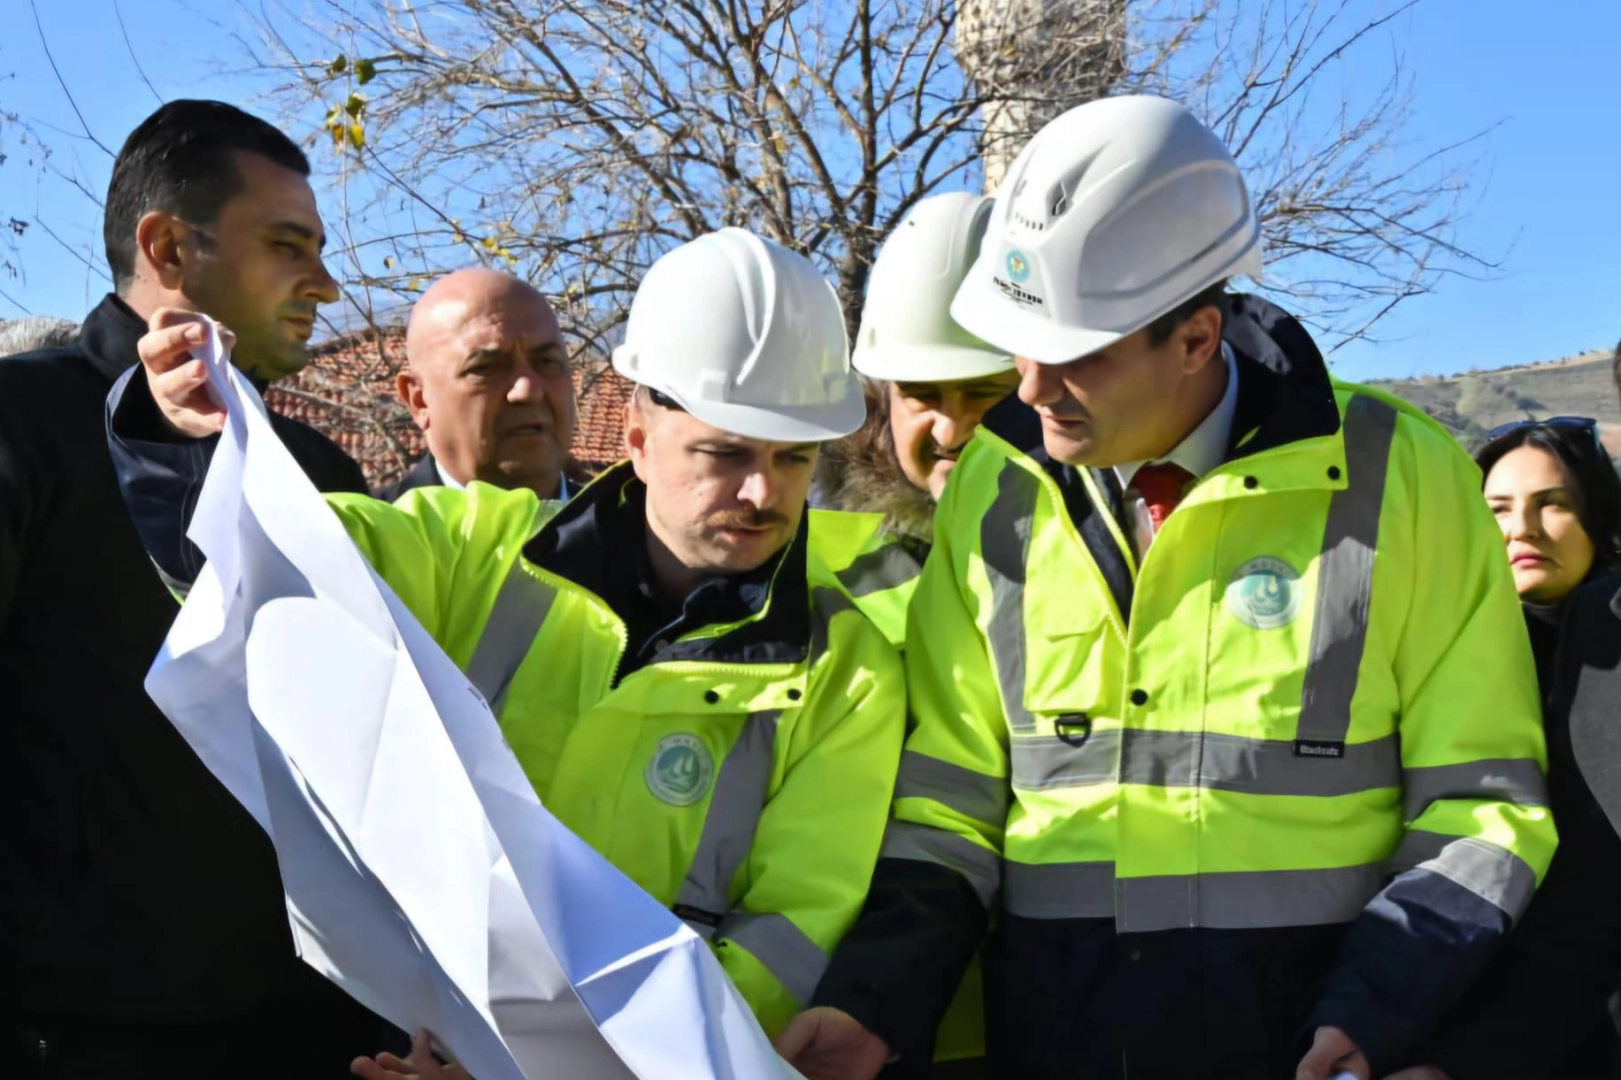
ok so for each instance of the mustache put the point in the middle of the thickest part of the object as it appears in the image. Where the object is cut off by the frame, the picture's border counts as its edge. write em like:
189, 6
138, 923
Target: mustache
746, 519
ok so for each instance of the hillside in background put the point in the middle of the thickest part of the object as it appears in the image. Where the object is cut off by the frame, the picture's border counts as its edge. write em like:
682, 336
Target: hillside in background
1470, 405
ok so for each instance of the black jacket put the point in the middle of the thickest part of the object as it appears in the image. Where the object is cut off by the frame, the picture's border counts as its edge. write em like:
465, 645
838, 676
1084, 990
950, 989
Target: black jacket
1540, 1010
135, 889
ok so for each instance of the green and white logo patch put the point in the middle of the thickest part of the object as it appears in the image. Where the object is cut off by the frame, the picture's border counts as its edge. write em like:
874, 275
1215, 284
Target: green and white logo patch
1265, 594
680, 770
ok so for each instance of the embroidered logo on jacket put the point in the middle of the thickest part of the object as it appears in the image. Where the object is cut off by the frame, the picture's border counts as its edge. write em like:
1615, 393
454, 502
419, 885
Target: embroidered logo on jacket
680, 770
1265, 594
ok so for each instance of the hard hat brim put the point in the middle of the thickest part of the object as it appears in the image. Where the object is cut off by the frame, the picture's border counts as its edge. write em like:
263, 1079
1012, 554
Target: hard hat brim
930, 363
778, 423
986, 314
784, 423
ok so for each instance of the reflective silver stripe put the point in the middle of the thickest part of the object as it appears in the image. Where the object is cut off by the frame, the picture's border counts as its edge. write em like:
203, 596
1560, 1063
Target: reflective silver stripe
1492, 873
1345, 573
785, 950
1251, 900
1255, 766
735, 806
1516, 780
1004, 540
1257, 899
887, 567
972, 794
1058, 890
921, 843
1201, 759
1045, 762
515, 620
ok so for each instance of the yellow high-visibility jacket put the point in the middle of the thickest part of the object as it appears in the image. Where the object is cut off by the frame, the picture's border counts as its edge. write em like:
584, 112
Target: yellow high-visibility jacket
1312, 706
743, 776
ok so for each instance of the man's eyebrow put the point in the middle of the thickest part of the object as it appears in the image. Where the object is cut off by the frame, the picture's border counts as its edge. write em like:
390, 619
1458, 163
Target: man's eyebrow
302, 231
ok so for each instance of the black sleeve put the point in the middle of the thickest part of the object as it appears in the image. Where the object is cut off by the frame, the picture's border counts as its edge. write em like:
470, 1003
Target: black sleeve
899, 967
161, 472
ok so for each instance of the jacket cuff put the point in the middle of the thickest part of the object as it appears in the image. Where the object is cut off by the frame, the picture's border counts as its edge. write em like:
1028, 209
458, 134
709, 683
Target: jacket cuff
160, 473
1411, 953
899, 967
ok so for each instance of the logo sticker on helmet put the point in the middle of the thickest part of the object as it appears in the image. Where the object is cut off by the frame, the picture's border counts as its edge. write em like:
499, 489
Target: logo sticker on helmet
1018, 271
1018, 267
1265, 594
680, 770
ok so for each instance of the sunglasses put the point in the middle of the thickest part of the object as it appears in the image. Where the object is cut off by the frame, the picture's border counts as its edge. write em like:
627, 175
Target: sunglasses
1584, 424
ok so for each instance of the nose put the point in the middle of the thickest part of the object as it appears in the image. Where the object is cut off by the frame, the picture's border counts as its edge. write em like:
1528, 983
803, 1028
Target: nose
322, 287
948, 430
759, 490
1038, 384
523, 388
1523, 523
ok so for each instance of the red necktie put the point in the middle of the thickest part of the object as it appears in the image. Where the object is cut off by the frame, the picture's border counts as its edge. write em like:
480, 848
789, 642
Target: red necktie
1161, 487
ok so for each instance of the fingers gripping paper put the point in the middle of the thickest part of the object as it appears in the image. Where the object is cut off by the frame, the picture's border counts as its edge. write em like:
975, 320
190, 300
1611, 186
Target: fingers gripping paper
422, 874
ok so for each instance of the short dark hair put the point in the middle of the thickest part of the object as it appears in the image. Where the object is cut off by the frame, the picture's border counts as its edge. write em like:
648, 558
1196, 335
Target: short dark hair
182, 160
1161, 329
1592, 478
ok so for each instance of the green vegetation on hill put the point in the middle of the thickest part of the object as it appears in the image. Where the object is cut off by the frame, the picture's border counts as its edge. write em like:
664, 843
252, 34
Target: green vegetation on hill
1470, 405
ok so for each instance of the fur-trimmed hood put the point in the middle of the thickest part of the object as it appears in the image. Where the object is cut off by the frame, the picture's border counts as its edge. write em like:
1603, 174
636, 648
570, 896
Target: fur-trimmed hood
861, 474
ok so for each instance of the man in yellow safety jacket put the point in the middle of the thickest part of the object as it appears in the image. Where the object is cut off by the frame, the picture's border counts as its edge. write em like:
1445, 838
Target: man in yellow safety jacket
929, 385
1220, 700
684, 683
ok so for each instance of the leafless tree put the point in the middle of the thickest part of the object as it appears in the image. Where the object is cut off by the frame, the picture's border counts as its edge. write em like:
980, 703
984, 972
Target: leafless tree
576, 140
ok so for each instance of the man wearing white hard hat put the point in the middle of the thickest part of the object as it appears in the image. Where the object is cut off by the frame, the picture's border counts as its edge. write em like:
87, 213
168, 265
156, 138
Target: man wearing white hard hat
929, 383
685, 684
1218, 702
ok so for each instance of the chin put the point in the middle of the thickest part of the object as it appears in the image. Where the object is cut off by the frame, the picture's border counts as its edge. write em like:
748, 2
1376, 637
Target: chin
1069, 451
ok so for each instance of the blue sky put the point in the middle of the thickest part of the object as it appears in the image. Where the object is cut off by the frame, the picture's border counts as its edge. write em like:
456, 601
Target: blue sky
1546, 201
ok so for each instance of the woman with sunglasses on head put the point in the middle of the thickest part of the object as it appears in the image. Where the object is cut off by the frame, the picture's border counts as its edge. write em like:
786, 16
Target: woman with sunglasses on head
1541, 1008
1553, 490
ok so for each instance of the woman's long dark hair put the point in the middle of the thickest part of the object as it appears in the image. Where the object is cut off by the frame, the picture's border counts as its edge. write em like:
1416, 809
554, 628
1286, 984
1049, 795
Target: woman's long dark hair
1589, 471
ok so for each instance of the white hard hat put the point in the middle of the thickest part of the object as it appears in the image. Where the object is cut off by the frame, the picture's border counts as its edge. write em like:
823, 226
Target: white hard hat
748, 337
907, 333
1120, 209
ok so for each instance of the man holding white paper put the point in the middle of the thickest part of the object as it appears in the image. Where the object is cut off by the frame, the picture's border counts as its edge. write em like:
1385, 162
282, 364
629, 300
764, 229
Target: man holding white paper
684, 683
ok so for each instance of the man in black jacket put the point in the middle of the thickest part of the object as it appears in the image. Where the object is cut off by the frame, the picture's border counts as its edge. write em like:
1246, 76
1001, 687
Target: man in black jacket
142, 917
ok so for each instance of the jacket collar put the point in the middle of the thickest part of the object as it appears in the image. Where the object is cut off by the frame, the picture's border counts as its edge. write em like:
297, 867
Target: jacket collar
1284, 391
109, 336
598, 542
